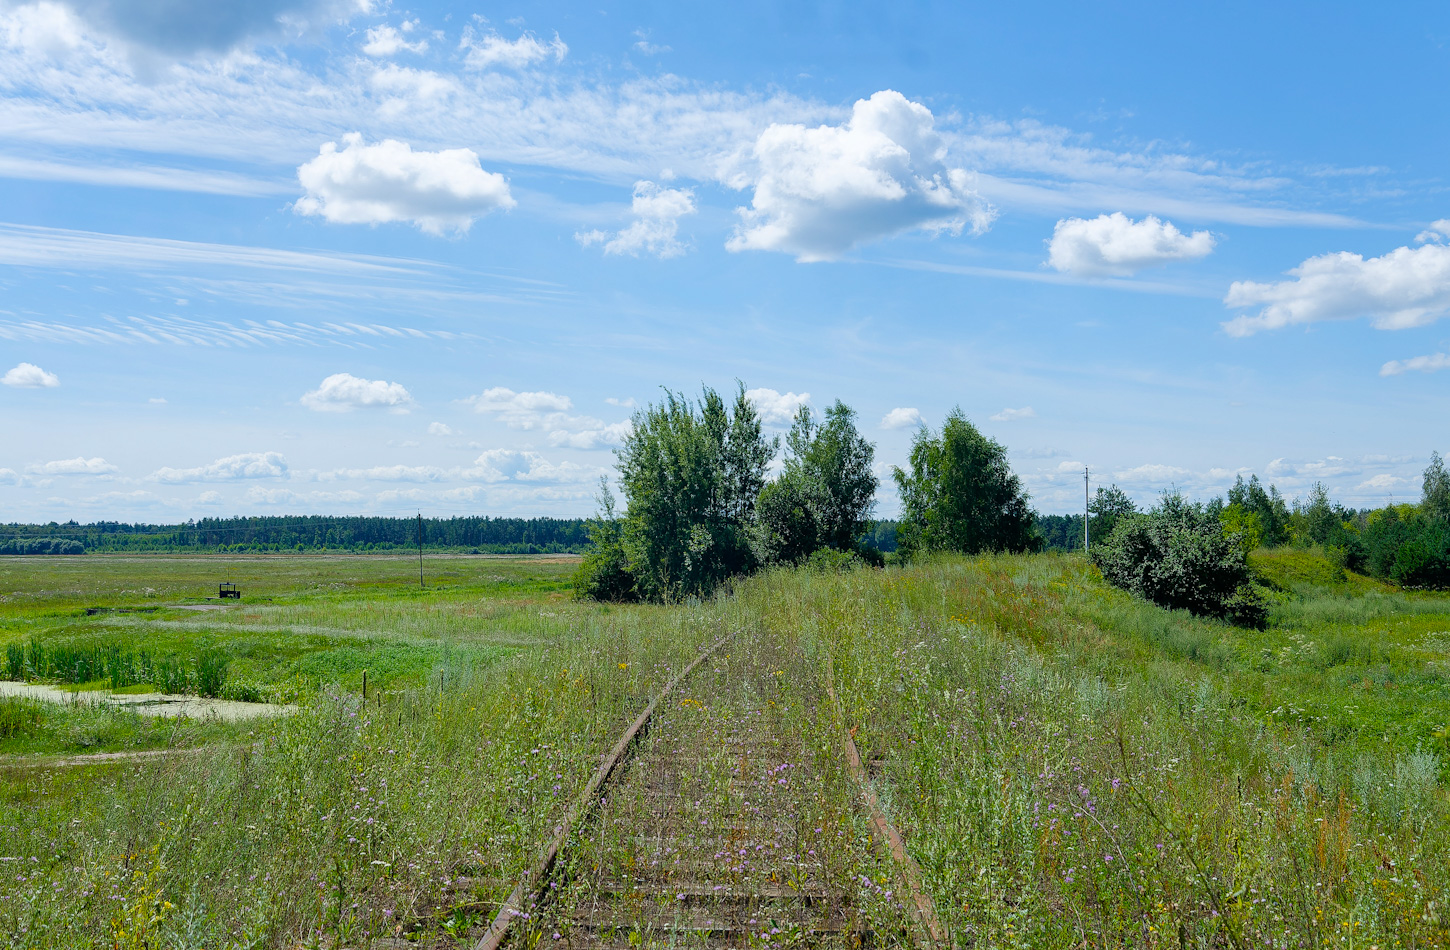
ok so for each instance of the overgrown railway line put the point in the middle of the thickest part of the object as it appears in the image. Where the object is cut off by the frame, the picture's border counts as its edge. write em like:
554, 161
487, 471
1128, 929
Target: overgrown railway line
725, 816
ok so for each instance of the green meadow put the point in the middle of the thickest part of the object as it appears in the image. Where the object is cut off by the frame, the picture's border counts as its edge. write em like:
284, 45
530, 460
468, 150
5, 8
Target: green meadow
1070, 766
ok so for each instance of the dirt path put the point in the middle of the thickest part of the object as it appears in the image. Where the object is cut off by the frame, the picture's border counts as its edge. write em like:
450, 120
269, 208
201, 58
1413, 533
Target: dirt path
95, 758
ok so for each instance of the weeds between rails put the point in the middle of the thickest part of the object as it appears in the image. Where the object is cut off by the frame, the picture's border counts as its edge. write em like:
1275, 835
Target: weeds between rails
733, 825
1067, 766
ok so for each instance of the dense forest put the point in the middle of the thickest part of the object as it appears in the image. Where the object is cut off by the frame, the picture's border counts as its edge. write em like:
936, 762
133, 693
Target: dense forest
480, 535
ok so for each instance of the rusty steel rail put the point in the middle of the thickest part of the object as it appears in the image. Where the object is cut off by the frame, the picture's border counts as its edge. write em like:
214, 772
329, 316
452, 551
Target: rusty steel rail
923, 910
533, 883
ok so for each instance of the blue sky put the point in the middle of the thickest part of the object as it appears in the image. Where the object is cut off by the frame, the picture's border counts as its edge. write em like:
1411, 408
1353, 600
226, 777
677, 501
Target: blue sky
343, 256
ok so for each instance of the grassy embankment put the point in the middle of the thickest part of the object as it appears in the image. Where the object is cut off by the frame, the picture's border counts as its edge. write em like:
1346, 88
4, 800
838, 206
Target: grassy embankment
1070, 766
1073, 767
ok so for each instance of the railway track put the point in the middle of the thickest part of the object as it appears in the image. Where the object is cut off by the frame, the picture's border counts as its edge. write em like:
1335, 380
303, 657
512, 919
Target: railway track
724, 817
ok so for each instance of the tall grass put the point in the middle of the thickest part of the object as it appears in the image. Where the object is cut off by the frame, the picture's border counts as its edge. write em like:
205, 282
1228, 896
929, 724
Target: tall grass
1069, 766
119, 666
1066, 784
351, 819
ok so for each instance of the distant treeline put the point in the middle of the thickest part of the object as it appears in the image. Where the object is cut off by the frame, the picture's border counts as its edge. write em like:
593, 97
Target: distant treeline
319, 533
41, 546
481, 535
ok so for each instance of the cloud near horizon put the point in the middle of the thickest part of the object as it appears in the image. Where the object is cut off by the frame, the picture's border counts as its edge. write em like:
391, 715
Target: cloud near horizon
901, 418
776, 408
76, 466
234, 467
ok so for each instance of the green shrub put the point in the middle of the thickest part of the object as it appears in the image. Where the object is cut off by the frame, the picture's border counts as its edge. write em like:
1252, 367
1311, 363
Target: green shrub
785, 530
829, 560
1178, 556
604, 573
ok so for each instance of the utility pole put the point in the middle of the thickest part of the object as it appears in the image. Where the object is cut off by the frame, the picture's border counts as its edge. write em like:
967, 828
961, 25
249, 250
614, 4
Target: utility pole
1085, 505
420, 549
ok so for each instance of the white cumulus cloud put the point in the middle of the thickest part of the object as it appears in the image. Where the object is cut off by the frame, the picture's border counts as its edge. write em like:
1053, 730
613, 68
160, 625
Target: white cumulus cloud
1012, 415
498, 465
29, 376
387, 40
376, 184
1114, 245
1419, 364
776, 408
75, 466
526, 410
233, 467
901, 418
1407, 287
820, 191
343, 392
593, 437
1383, 482
440, 428
1152, 473
657, 212
491, 49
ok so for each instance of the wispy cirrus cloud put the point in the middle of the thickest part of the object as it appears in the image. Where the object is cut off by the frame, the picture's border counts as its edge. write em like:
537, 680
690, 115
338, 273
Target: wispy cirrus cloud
571, 120
490, 49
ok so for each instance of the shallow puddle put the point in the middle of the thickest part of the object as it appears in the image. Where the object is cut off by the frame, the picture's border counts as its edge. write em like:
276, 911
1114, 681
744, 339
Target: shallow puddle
149, 704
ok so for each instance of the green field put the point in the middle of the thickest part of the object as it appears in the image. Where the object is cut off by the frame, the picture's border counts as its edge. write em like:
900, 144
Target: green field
1071, 767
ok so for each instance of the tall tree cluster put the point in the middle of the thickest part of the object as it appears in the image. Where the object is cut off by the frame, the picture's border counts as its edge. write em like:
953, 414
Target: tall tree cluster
700, 507
959, 494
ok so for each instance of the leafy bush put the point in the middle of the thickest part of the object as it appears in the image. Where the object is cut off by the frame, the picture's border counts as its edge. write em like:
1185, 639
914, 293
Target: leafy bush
604, 573
831, 561
1178, 556
786, 530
